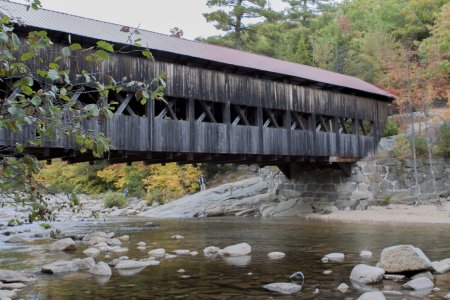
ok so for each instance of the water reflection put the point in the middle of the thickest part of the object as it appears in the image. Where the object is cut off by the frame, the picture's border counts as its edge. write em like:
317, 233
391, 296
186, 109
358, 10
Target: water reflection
305, 242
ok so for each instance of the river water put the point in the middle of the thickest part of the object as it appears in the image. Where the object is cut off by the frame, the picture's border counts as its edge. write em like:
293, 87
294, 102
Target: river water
305, 242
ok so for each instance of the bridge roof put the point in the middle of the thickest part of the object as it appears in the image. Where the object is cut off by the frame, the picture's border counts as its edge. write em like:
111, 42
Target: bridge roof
99, 30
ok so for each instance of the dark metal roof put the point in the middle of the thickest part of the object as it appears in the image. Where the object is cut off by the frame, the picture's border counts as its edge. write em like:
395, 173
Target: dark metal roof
99, 30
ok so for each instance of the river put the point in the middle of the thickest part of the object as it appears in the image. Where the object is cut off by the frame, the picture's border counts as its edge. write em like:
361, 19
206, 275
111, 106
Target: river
305, 242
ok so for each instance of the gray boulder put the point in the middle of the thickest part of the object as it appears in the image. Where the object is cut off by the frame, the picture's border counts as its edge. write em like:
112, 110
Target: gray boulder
333, 257
9, 276
61, 266
403, 258
211, 251
283, 287
131, 264
101, 269
236, 250
419, 284
159, 252
15, 239
66, 244
5, 294
442, 266
426, 274
91, 251
366, 274
372, 296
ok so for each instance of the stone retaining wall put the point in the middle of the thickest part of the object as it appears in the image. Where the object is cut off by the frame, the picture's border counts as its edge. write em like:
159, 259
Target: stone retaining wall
372, 182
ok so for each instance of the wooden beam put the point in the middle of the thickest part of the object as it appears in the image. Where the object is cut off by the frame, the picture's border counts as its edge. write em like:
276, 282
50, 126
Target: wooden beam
242, 114
124, 104
272, 117
207, 110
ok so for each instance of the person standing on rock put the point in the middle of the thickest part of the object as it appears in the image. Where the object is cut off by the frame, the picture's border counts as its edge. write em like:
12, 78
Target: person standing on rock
125, 192
202, 182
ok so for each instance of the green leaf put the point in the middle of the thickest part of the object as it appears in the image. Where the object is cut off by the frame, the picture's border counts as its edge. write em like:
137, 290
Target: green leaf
27, 56
148, 54
36, 101
54, 66
15, 41
19, 147
65, 51
105, 46
92, 110
102, 54
75, 47
53, 75
3, 38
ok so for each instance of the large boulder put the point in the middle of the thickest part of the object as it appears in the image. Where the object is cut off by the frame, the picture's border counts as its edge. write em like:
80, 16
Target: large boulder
66, 244
372, 296
236, 250
61, 266
101, 269
419, 284
9, 276
283, 287
366, 274
403, 258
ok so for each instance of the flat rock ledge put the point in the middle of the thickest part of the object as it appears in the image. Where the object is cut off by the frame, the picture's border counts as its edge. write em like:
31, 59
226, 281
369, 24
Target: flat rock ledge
283, 287
8, 276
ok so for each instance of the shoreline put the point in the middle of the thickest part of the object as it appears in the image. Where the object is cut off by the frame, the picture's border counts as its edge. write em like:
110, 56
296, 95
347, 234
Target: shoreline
400, 213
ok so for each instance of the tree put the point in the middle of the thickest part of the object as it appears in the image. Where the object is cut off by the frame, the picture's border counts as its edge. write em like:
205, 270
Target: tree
232, 14
303, 10
40, 97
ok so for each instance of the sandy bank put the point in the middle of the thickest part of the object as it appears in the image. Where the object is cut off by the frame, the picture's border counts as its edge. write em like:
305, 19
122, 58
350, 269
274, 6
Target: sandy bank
401, 214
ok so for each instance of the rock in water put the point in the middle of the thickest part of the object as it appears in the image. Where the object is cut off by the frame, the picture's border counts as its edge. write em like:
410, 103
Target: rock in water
159, 252
419, 284
403, 258
9, 276
7, 294
343, 288
15, 239
177, 237
211, 251
442, 266
66, 244
297, 278
276, 255
101, 269
366, 274
182, 252
372, 296
236, 250
283, 287
91, 251
131, 264
365, 254
61, 266
334, 257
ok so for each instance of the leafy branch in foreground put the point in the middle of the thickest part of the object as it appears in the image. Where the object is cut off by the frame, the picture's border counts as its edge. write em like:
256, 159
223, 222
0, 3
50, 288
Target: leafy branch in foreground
41, 100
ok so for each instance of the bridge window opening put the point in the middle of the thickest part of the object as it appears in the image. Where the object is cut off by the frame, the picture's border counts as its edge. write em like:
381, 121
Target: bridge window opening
243, 115
273, 118
171, 109
300, 121
206, 111
365, 127
346, 125
324, 123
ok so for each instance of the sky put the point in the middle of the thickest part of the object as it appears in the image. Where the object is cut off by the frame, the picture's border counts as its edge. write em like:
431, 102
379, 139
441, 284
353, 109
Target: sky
154, 15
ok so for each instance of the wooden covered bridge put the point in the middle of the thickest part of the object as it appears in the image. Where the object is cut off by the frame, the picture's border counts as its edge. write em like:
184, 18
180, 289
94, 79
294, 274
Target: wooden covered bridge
223, 105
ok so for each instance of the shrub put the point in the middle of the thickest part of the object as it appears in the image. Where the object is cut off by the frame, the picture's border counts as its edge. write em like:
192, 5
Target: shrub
391, 127
421, 145
386, 200
402, 147
443, 146
116, 199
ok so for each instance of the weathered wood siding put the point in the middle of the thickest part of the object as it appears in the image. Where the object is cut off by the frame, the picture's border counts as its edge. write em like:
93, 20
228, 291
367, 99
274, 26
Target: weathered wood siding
147, 133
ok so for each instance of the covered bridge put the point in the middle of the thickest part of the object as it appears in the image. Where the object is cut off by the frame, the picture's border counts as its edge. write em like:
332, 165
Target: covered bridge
223, 105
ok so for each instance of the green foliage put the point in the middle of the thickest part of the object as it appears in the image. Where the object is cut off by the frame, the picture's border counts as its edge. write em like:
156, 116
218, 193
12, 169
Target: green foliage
391, 127
443, 146
52, 111
111, 199
402, 147
386, 200
421, 145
